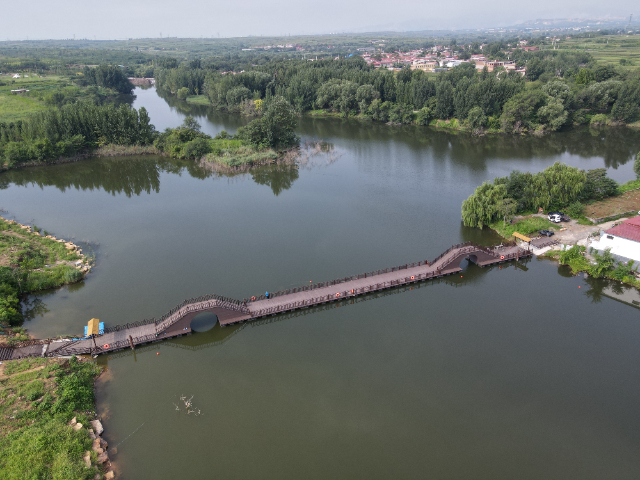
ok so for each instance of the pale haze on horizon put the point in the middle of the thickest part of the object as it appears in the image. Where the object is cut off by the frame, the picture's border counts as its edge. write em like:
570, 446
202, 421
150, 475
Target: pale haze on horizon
117, 19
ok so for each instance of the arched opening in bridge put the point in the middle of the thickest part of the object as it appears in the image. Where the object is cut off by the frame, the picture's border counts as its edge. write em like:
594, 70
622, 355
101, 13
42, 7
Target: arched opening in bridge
467, 261
203, 322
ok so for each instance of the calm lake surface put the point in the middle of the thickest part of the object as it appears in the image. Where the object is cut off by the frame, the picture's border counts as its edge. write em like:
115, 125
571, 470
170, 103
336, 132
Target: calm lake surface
505, 373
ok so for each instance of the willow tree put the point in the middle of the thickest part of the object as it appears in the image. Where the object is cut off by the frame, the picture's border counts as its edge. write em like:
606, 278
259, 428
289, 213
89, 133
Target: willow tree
564, 183
482, 206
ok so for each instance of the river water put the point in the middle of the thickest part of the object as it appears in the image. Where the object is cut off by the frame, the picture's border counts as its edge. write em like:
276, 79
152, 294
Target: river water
503, 373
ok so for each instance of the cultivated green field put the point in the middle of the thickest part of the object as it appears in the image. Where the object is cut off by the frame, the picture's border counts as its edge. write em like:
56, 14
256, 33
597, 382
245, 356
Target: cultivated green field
608, 49
17, 107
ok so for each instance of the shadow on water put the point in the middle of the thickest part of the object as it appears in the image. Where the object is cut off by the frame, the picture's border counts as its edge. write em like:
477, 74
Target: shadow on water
135, 175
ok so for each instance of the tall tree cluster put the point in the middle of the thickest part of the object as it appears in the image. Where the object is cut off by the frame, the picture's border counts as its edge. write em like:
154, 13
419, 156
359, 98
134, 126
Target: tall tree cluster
559, 89
72, 128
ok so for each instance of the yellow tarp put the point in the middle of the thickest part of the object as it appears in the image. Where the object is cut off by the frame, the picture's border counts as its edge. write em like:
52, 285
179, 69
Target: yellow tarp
93, 328
521, 237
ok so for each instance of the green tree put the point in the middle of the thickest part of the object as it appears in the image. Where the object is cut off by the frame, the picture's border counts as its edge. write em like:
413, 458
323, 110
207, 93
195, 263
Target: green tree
636, 166
481, 207
183, 93
444, 100
585, 76
553, 115
506, 208
275, 129
424, 116
476, 118
598, 186
564, 184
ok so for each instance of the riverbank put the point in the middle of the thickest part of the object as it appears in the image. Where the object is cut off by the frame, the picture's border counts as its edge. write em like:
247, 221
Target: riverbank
31, 260
48, 423
104, 151
452, 125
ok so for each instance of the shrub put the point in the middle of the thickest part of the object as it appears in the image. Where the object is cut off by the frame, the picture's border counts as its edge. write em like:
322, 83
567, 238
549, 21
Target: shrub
575, 209
196, 148
598, 120
424, 116
604, 263
572, 253
183, 93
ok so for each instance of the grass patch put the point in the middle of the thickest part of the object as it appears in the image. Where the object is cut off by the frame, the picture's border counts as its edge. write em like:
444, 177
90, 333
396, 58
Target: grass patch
243, 156
124, 150
22, 365
199, 100
526, 226
584, 221
18, 107
35, 440
29, 263
630, 185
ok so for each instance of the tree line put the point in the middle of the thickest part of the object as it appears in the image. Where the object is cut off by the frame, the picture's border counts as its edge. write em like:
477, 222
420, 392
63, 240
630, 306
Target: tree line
70, 129
559, 89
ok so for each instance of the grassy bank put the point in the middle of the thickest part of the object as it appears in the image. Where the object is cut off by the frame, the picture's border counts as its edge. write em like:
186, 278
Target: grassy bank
199, 100
38, 398
31, 262
242, 156
527, 226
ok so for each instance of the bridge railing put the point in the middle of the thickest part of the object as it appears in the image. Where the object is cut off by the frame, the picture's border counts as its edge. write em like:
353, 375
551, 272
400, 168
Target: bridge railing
86, 350
117, 328
342, 295
469, 244
339, 281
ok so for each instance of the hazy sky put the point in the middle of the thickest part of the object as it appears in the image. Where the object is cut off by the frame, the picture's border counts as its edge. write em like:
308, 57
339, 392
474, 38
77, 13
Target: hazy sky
116, 19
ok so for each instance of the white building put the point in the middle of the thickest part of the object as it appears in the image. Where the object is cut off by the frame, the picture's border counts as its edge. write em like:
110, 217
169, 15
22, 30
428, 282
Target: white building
623, 240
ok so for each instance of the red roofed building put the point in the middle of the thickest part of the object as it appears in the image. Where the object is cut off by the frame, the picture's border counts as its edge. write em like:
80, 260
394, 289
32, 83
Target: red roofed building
623, 240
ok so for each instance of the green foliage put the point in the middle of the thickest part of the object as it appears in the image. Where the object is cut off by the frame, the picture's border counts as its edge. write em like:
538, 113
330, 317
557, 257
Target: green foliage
476, 118
424, 116
526, 226
481, 208
556, 187
570, 254
25, 255
275, 129
630, 185
47, 135
519, 113
598, 186
575, 209
604, 263
183, 93
636, 166
107, 76
585, 76
623, 272
350, 87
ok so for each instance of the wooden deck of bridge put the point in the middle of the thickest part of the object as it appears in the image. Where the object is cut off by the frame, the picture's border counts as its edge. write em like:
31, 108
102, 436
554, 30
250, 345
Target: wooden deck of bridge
445, 265
178, 321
